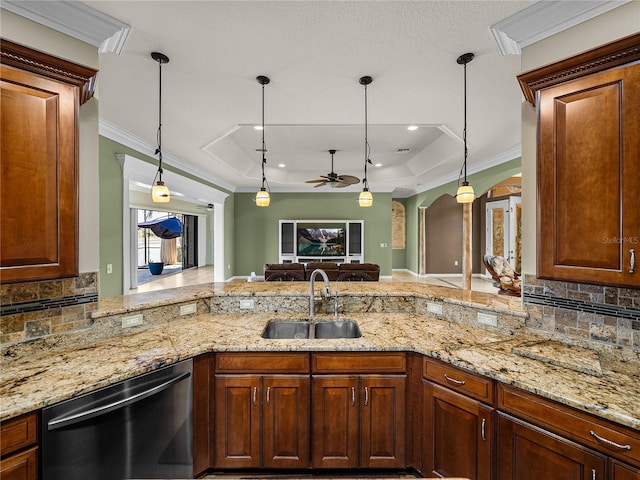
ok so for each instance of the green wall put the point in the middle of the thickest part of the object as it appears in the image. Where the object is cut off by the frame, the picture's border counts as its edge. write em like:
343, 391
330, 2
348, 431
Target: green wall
481, 182
111, 186
256, 228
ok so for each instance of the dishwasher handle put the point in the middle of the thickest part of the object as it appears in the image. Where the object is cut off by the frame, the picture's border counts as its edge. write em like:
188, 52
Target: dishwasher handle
65, 421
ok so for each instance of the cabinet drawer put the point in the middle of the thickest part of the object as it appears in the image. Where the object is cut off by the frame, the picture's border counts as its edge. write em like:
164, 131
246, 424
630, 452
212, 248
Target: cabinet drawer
18, 433
358, 362
615, 440
21, 466
468, 383
262, 363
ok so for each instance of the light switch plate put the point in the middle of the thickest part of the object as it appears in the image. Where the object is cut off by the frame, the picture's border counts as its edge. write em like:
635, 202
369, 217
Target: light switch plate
434, 308
132, 320
188, 309
488, 319
246, 304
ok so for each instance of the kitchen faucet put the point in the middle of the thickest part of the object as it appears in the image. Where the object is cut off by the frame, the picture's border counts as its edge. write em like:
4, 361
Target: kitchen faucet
326, 292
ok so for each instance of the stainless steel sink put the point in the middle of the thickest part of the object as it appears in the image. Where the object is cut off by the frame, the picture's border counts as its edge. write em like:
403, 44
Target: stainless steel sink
337, 329
280, 329
303, 329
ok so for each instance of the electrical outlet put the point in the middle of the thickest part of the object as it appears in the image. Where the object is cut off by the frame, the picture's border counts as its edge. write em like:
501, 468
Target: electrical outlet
434, 308
383, 245
109, 268
246, 304
188, 309
132, 321
488, 319
455, 263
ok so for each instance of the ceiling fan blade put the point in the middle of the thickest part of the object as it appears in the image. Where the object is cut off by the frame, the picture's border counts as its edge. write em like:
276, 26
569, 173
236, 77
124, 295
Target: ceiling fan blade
348, 179
316, 181
342, 185
320, 185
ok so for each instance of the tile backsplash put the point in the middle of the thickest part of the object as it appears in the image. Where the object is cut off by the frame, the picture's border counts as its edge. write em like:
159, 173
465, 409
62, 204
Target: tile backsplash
31, 310
595, 312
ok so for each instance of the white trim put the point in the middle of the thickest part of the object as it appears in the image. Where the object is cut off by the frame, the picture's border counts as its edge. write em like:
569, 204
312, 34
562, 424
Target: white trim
506, 156
75, 19
544, 19
113, 132
135, 171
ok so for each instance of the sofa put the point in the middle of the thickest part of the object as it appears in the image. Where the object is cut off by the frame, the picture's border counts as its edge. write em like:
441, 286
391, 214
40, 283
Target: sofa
344, 272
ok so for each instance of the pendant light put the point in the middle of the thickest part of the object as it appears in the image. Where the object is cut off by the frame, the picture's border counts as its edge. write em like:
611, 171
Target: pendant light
262, 197
465, 192
159, 192
366, 198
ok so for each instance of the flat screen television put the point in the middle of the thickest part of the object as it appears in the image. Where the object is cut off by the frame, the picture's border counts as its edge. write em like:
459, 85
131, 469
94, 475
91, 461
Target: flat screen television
321, 239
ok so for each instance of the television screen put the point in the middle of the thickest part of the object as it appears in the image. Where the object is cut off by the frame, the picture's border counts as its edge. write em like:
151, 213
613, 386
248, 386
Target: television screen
321, 240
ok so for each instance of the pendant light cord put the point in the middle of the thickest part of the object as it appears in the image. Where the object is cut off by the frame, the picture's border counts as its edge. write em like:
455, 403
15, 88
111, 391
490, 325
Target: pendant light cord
464, 132
264, 146
159, 132
365, 182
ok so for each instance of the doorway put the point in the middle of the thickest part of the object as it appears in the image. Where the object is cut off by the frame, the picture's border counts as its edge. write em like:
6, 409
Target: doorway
504, 230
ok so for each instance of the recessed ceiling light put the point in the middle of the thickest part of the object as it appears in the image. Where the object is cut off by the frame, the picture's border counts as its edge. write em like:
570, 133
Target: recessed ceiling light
281, 165
412, 127
258, 127
378, 164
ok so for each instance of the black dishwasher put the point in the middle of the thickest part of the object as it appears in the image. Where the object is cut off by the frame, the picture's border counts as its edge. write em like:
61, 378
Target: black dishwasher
138, 428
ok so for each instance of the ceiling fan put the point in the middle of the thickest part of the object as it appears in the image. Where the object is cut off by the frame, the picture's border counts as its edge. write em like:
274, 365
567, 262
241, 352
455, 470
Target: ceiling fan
333, 179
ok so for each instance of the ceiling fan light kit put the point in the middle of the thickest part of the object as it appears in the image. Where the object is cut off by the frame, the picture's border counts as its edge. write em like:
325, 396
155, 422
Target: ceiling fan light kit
465, 193
159, 191
263, 199
366, 197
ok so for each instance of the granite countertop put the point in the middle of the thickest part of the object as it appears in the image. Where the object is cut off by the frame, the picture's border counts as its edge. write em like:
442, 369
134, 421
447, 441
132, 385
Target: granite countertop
605, 383
129, 303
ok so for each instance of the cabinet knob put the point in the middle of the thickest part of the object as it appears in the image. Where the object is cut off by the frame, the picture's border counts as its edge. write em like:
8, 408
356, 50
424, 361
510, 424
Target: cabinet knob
255, 395
353, 395
268, 395
366, 396
632, 262
453, 380
483, 429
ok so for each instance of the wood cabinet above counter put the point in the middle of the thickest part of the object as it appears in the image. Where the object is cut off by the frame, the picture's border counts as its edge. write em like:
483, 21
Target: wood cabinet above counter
41, 95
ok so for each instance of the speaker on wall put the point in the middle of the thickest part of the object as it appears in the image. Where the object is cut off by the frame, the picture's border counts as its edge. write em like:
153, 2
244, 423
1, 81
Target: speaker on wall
355, 238
287, 234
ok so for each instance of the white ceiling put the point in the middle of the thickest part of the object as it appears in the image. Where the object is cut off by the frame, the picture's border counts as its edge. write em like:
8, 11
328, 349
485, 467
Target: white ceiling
314, 52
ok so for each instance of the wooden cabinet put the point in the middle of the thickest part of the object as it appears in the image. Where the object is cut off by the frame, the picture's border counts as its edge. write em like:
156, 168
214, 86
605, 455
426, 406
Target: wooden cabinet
262, 420
527, 452
457, 429
19, 449
550, 437
39, 129
587, 165
359, 419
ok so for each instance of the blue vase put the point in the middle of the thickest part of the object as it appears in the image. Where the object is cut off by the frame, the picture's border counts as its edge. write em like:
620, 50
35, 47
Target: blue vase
156, 268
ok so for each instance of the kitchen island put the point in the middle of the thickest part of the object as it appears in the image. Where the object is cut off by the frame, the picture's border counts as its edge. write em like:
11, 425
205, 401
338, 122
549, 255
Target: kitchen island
437, 324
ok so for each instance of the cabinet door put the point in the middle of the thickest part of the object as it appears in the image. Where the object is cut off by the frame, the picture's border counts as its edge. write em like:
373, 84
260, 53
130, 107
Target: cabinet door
335, 421
458, 435
286, 421
620, 471
38, 181
588, 179
20, 466
383, 423
526, 452
237, 421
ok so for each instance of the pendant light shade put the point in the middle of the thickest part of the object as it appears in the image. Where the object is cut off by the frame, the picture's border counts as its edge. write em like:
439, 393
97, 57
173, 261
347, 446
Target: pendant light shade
263, 199
366, 197
465, 193
159, 191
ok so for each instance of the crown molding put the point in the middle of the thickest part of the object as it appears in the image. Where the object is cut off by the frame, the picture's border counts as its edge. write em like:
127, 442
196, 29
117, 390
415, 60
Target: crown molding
114, 132
503, 157
76, 20
544, 19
